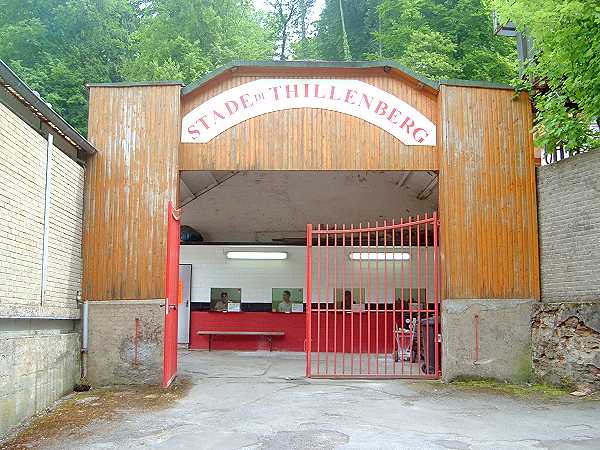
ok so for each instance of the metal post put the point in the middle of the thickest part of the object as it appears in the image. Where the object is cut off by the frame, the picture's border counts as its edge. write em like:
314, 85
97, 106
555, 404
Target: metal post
308, 297
436, 293
47, 199
344, 263
319, 297
335, 294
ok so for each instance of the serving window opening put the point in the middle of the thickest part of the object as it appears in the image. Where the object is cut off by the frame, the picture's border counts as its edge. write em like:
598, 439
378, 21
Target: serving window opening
341, 265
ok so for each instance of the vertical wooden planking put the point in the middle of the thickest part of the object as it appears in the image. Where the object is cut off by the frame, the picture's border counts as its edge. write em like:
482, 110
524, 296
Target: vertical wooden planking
487, 195
310, 139
128, 185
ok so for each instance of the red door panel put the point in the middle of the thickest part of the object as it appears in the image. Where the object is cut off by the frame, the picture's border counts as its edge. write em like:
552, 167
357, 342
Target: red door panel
172, 292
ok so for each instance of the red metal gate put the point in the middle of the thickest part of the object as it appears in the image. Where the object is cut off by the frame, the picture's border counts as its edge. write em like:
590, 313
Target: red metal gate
372, 300
172, 293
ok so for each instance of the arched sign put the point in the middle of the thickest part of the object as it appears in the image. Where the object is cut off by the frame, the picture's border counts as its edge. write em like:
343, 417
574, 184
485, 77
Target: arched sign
352, 97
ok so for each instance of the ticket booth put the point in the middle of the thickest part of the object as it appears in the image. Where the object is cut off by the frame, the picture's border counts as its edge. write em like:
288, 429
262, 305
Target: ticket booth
380, 222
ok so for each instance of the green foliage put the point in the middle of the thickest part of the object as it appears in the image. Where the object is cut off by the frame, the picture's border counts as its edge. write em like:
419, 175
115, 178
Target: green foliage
185, 39
565, 68
445, 39
437, 38
57, 46
361, 19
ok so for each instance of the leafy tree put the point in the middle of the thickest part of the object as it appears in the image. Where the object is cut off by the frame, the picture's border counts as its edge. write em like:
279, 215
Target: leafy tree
361, 20
564, 69
285, 13
445, 39
290, 20
185, 39
57, 46
303, 48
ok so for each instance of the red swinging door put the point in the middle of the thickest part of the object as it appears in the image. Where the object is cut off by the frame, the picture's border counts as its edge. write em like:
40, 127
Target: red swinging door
172, 293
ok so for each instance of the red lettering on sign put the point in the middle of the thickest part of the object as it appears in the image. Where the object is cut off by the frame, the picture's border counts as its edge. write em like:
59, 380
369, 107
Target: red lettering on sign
392, 115
275, 91
349, 96
193, 131
230, 109
217, 114
405, 123
372, 104
244, 101
381, 108
306, 85
366, 100
317, 91
420, 131
202, 121
288, 90
332, 94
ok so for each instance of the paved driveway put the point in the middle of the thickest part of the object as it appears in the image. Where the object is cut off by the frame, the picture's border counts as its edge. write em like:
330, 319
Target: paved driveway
262, 401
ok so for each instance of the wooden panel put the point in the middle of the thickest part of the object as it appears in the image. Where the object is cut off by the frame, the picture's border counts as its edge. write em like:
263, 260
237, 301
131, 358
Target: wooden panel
311, 139
128, 186
487, 195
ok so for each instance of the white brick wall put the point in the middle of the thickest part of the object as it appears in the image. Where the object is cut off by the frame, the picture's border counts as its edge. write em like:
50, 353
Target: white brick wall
22, 193
64, 237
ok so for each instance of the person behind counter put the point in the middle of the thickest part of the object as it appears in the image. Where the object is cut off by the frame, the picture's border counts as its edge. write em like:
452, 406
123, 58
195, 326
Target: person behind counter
347, 300
223, 303
286, 302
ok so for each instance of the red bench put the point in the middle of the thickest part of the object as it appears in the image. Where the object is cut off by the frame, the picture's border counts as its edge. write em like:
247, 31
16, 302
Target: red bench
268, 334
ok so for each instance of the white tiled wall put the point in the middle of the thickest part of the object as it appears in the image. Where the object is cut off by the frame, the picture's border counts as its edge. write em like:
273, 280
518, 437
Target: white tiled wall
211, 269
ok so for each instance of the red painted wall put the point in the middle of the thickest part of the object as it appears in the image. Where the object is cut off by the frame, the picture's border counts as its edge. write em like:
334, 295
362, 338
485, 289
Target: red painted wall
293, 324
339, 330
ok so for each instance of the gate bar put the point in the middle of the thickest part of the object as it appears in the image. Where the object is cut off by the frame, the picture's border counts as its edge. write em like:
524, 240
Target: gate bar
308, 298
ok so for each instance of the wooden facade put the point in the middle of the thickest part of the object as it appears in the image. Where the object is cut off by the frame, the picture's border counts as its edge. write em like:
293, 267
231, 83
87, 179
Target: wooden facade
488, 209
311, 139
128, 185
484, 156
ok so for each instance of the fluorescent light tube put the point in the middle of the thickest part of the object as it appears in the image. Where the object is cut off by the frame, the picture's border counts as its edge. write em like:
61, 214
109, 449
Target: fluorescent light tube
379, 256
256, 255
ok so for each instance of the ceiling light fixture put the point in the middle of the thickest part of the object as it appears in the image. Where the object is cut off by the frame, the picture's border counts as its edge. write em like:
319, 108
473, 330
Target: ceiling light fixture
257, 255
379, 256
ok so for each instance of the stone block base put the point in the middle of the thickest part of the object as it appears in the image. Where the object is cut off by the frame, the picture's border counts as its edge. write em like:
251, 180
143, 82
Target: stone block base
125, 342
486, 338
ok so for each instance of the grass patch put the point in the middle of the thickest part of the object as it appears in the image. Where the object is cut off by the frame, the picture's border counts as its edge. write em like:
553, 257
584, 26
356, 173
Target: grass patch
526, 390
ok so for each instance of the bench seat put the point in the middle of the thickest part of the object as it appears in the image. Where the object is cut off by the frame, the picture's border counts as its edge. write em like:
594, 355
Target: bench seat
269, 335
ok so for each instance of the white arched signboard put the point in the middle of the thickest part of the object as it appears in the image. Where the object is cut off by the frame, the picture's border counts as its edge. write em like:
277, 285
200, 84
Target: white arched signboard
352, 97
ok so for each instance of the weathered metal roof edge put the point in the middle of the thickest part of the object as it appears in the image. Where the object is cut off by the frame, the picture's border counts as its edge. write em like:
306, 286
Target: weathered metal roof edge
309, 64
40, 108
476, 84
137, 83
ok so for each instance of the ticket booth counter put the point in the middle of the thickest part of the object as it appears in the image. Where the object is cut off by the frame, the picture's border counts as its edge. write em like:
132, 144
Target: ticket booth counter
249, 331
